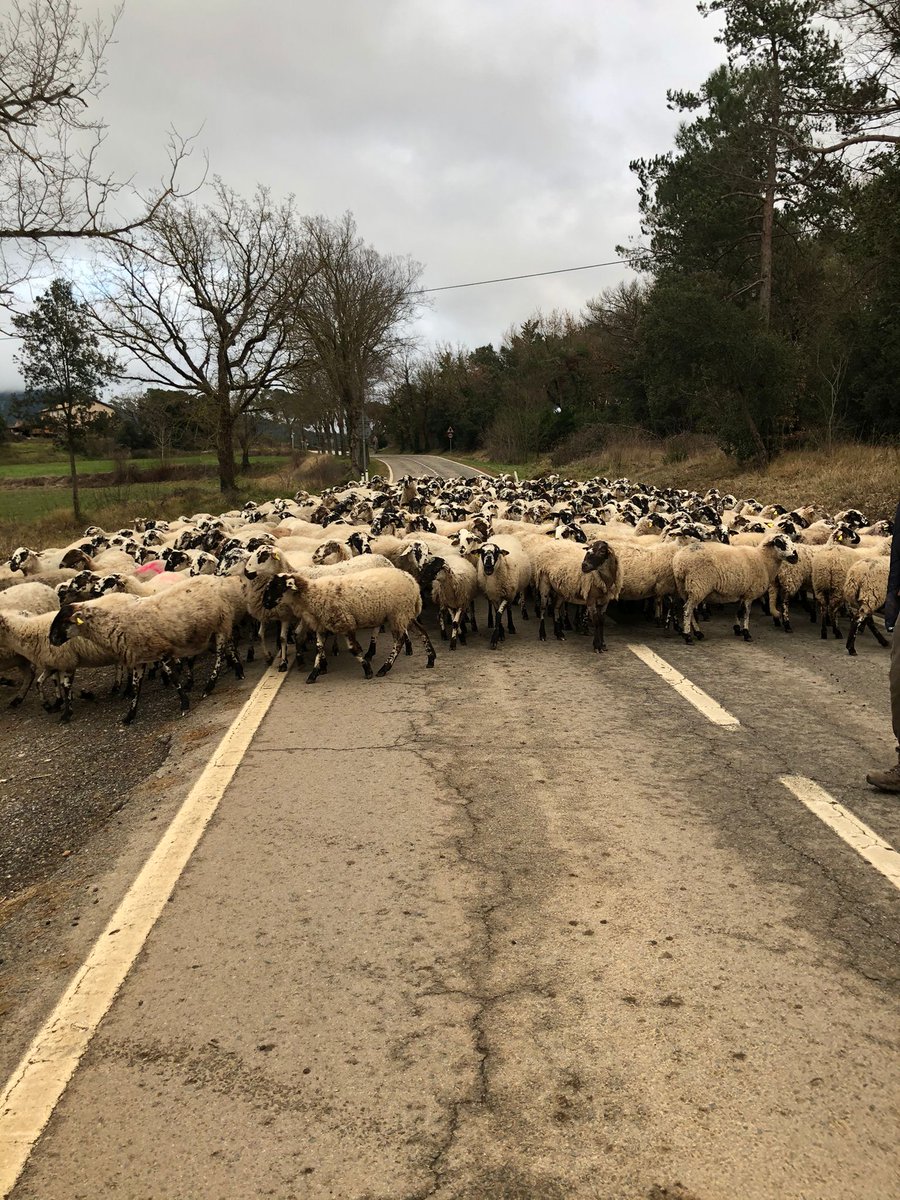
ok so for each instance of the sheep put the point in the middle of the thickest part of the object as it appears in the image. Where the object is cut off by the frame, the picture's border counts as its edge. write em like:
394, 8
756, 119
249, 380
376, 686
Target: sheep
34, 599
504, 572
174, 624
721, 574
829, 571
791, 579
452, 583
50, 578
28, 636
865, 591
590, 578
344, 604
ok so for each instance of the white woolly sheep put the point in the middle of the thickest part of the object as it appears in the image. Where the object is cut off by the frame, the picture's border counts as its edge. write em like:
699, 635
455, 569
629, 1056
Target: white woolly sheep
452, 583
504, 573
172, 625
865, 591
566, 573
346, 603
722, 574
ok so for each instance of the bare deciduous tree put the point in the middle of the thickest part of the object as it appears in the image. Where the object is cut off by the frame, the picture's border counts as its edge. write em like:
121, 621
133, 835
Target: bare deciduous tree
204, 298
52, 185
351, 317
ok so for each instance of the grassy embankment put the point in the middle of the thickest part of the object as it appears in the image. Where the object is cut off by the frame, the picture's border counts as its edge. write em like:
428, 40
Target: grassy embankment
42, 515
852, 475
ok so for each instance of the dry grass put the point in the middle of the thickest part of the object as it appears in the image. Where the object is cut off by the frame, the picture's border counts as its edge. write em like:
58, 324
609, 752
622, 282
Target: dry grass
852, 475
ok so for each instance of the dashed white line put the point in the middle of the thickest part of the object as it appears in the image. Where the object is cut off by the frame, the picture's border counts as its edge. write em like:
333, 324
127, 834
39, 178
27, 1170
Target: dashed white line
35, 1087
705, 704
865, 841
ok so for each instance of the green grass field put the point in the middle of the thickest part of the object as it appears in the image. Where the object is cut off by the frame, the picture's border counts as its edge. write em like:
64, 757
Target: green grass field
24, 461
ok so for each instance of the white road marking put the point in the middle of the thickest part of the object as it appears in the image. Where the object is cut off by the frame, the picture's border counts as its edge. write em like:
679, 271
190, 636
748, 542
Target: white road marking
847, 825
36, 1085
711, 710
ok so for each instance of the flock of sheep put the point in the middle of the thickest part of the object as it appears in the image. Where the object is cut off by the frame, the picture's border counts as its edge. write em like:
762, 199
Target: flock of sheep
365, 557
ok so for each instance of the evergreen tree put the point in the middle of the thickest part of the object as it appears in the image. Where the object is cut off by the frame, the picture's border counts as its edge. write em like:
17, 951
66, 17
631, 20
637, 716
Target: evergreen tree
64, 368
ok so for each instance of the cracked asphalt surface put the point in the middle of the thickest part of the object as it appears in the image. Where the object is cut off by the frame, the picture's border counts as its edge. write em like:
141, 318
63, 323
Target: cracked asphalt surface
525, 926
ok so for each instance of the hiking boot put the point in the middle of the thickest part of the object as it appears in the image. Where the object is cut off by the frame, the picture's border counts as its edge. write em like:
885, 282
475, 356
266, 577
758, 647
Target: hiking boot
886, 781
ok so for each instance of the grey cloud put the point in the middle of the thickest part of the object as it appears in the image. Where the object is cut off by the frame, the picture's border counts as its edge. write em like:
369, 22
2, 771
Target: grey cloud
483, 137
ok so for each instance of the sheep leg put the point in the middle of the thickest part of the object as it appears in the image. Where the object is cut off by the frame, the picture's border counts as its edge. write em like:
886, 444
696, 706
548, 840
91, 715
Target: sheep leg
320, 666
739, 618
823, 608
137, 679
498, 635
490, 616
357, 651
407, 645
334, 646
24, 686
833, 612
217, 666
442, 621
454, 627
542, 610
426, 641
745, 620
687, 620
232, 655
879, 636
851, 637
66, 682
560, 620
474, 619
283, 645
172, 673
373, 643
599, 622
522, 599
267, 654
510, 627
395, 650
776, 603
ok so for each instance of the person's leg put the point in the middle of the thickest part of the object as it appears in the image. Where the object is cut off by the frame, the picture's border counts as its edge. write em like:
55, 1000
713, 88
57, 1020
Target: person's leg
889, 781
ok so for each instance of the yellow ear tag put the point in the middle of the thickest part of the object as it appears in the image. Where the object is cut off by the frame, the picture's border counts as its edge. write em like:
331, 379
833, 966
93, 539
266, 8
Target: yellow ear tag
79, 620
276, 556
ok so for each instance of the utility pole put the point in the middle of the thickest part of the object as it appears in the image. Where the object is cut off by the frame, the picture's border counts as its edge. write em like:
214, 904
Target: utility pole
450, 437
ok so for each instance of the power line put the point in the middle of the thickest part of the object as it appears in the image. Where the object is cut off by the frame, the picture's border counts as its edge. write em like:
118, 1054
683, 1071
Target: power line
532, 275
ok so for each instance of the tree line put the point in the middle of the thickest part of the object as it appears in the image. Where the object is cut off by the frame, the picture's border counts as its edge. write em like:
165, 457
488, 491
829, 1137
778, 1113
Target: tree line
765, 312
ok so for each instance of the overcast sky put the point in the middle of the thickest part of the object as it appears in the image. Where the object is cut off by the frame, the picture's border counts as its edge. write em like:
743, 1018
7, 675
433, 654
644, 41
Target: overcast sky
482, 137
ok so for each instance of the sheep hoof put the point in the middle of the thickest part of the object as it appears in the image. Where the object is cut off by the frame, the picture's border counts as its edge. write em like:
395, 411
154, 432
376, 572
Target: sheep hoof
239, 670
282, 666
837, 633
776, 621
824, 635
270, 658
250, 654
312, 677
430, 663
851, 650
737, 630
367, 670
16, 701
700, 635
65, 718
382, 671
787, 627
127, 719
688, 640
748, 636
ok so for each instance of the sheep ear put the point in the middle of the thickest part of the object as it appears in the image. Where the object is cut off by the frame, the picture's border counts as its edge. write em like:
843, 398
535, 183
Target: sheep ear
505, 553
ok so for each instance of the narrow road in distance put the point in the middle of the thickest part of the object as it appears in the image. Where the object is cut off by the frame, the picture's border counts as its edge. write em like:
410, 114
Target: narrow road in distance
428, 464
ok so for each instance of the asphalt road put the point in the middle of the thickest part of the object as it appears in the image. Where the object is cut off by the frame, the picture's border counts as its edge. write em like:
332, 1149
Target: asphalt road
524, 926
428, 464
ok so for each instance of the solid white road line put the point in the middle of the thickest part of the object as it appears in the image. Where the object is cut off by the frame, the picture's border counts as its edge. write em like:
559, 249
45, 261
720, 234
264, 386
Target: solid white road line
711, 710
34, 1088
865, 841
